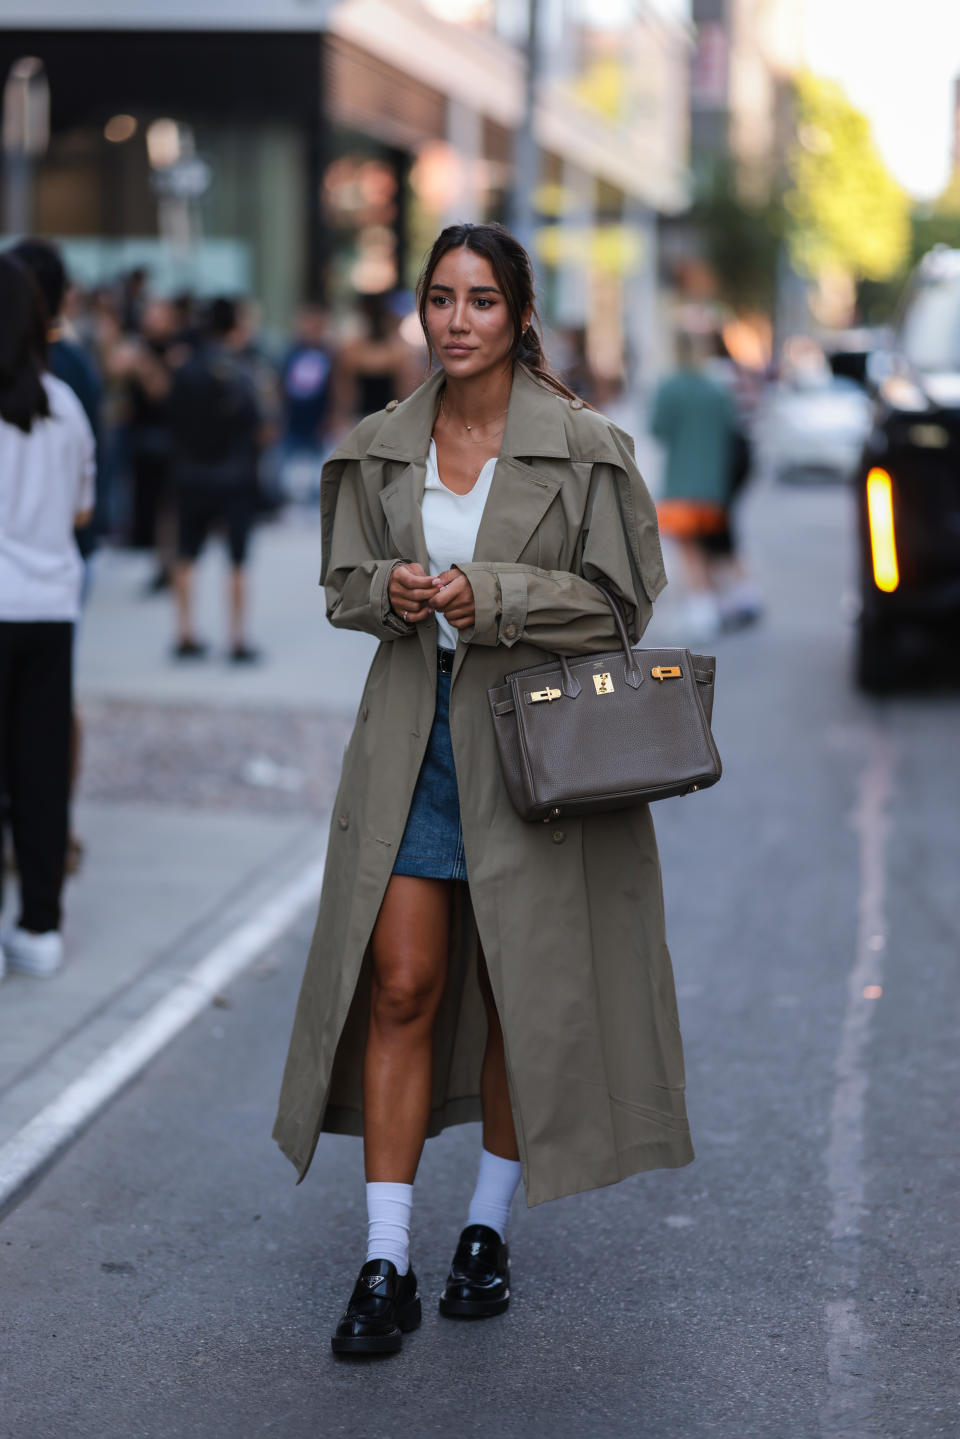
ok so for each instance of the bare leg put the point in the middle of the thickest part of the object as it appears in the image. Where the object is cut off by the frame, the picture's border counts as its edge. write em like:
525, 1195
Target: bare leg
410, 943
238, 610
499, 1136
183, 599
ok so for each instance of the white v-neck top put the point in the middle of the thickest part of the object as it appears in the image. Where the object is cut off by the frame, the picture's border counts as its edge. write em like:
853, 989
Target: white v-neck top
450, 525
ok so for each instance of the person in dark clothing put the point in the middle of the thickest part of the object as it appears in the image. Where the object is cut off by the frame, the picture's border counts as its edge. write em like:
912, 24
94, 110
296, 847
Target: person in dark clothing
306, 376
215, 427
149, 375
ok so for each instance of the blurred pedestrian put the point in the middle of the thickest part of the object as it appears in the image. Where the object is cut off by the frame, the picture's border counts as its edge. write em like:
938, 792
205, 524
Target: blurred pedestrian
465, 528
695, 419
148, 362
739, 596
378, 365
264, 376
70, 362
306, 383
215, 426
46, 492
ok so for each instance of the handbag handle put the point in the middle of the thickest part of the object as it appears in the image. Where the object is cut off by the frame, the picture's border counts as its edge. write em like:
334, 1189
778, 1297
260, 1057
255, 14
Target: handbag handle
633, 674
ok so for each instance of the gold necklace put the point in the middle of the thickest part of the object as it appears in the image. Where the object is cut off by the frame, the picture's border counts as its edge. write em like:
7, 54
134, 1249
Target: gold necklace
443, 415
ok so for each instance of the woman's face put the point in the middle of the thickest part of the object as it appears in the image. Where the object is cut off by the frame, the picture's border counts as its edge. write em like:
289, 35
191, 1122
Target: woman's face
468, 319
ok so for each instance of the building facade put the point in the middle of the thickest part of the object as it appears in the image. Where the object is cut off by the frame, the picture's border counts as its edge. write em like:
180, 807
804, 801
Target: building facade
298, 148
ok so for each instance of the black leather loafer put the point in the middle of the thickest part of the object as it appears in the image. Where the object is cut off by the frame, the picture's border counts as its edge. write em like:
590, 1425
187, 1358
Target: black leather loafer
478, 1284
383, 1307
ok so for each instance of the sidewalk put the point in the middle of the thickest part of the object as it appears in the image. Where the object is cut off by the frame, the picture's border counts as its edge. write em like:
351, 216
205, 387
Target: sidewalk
205, 789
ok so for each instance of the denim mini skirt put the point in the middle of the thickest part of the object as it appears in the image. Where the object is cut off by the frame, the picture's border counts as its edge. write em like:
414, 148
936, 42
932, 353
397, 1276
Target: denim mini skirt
432, 844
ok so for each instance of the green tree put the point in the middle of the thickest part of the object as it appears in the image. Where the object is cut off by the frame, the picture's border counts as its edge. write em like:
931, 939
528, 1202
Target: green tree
847, 214
933, 222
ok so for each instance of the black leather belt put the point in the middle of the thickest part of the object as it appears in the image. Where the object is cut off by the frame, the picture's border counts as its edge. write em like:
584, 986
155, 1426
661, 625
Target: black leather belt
445, 660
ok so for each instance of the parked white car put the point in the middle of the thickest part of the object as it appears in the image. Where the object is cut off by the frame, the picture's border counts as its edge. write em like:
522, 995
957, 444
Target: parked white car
814, 427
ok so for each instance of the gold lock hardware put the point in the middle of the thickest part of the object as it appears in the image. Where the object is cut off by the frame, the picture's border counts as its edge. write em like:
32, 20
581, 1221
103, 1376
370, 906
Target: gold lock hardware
666, 672
603, 684
537, 696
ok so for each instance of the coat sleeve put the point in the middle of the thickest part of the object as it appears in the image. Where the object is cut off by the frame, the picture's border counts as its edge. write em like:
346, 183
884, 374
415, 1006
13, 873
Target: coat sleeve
354, 575
562, 610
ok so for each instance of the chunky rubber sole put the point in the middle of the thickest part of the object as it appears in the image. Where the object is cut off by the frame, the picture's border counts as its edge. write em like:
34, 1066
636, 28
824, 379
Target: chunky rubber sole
473, 1308
408, 1320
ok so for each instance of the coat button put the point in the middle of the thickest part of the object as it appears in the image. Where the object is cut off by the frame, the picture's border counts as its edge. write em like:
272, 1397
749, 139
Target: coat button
576, 404
559, 835
392, 405
343, 822
510, 631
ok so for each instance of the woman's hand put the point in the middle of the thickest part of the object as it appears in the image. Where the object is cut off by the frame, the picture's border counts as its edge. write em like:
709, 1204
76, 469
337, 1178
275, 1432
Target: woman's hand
409, 589
454, 598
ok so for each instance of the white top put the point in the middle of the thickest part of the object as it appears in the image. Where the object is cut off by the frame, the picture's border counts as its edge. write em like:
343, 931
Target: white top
46, 478
450, 525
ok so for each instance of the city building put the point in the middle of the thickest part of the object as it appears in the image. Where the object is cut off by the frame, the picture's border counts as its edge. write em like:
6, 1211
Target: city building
294, 148
744, 60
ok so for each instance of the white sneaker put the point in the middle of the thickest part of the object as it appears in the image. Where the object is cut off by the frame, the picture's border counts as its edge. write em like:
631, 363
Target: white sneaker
38, 954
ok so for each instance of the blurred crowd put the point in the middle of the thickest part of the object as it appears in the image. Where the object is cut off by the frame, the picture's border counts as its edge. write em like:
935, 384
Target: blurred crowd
151, 354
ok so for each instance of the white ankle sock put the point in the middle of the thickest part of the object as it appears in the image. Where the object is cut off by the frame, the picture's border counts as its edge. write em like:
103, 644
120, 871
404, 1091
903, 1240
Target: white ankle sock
497, 1182
388, 1222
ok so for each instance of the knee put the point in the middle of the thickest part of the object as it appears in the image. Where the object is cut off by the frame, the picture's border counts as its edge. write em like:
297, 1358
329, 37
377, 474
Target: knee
404, 998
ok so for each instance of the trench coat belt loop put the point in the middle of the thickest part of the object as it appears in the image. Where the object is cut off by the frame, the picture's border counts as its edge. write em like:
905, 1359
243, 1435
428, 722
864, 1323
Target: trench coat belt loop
445, 658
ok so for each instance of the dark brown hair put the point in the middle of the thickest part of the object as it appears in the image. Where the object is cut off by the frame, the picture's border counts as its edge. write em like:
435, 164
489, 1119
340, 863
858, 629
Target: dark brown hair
23, 346
513, 273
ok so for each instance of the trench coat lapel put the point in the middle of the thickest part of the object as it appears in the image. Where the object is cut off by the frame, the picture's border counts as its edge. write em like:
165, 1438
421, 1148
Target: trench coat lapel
521, 492
401, 501
519, 496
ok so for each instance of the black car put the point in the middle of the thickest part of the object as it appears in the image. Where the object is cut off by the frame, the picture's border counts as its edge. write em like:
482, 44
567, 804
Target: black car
908, 492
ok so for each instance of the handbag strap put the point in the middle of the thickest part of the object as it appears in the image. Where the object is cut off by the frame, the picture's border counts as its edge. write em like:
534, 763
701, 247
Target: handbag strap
633, 674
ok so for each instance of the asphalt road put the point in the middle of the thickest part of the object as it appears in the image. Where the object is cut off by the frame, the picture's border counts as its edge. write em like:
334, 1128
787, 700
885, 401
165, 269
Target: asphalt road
799, 1279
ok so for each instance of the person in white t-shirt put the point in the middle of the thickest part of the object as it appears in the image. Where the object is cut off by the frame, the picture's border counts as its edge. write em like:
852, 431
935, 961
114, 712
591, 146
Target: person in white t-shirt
46, 490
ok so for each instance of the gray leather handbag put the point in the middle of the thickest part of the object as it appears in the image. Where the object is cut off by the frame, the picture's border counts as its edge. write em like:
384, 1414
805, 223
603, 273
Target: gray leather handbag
606, 731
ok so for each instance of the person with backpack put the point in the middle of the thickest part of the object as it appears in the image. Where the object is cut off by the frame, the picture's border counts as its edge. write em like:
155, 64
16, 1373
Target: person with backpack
216, 423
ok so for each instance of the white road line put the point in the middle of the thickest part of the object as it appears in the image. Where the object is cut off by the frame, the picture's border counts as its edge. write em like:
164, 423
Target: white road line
849, 1398
38, 1141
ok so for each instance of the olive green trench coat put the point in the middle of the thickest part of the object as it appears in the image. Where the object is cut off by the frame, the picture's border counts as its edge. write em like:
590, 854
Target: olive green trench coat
569, 915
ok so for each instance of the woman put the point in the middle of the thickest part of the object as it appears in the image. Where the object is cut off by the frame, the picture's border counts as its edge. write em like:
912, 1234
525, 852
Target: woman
46, 491
467, 965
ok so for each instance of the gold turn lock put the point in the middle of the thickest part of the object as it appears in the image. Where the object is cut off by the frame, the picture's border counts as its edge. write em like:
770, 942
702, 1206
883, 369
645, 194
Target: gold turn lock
666, 672
537, 696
